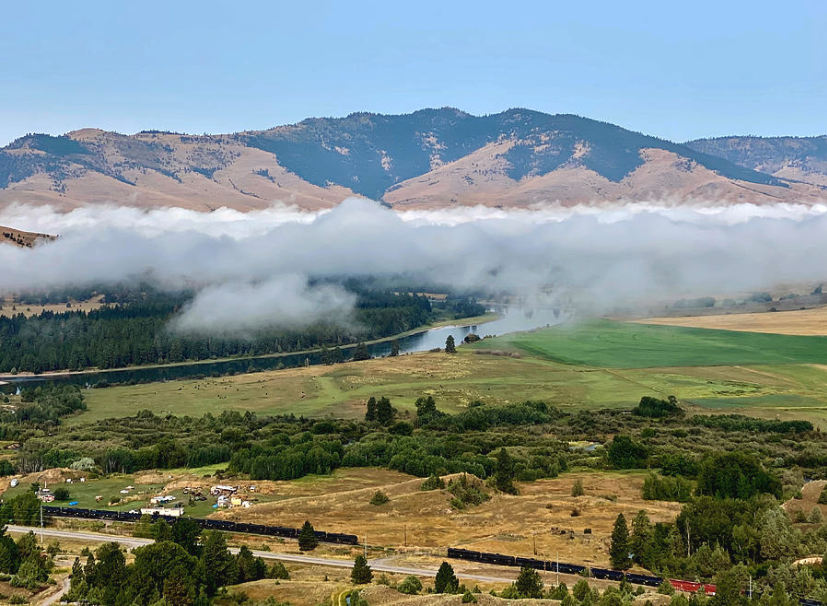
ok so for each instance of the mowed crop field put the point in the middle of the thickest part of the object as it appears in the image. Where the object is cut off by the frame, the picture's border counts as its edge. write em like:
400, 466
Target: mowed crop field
610, 344
798, 322
611, 366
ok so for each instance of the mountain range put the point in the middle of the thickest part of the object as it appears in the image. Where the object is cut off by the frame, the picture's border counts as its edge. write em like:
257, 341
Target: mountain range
432, 158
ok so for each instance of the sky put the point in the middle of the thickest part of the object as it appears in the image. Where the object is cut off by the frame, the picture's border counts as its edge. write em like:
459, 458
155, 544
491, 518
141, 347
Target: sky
678, 70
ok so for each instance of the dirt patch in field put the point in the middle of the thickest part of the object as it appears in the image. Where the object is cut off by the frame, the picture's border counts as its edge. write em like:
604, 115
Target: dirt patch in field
806, 322
809, 499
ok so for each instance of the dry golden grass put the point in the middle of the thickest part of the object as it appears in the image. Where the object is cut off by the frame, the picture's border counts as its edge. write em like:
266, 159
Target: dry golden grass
423, 522
11, 308
806, 322
23, 239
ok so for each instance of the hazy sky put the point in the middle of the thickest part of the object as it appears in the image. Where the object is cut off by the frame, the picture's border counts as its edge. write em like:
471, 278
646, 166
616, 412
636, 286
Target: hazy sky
678, 70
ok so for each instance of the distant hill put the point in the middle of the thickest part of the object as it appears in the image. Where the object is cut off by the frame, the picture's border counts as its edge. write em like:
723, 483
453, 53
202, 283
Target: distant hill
795, 158
24, 239
432, 158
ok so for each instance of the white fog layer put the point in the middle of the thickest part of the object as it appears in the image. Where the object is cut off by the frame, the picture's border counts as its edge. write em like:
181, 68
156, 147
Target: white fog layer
253, 269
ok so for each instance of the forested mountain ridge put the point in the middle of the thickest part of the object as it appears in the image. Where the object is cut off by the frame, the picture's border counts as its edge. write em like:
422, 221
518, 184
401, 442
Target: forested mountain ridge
794, 158
431, 158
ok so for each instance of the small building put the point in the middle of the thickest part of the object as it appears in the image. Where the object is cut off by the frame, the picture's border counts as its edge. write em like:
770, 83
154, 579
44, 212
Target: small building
162, 511
235, 501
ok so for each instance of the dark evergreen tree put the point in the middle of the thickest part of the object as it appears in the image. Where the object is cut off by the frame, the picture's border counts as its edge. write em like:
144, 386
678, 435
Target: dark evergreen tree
504, 472
361, 573
219, 564
360, 353
307, 537
450, 346
394, 349
186, 532
370, 415
446, 581
619, 549
641, 534
529, 584
425, 407
384, 411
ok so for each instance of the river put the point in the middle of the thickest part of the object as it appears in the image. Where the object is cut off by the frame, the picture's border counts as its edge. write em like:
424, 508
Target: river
510, 320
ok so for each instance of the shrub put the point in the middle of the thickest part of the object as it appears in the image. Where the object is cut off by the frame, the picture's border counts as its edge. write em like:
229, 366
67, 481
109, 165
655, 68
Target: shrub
434, 482
61, 493
467, 492
655, 408
666, 588
410, 586
379, 498
577, 488
468, 598
278, 571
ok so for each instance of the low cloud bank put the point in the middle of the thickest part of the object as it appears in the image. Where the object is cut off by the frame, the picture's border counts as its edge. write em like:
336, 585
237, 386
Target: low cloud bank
258, 269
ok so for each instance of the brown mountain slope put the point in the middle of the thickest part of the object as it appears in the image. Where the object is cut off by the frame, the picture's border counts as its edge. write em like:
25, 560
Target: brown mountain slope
663, 178
427, 159
165, 170
24, 239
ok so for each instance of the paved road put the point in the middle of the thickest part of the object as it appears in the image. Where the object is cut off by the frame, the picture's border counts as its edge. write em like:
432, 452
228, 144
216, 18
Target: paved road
378, 565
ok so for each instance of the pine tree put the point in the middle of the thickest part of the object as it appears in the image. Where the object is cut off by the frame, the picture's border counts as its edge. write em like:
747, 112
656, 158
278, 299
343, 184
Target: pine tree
446, 581
384, 411
529, 584
219, 564
361, 352
370, 415
641, 531
450, 346
394, 349
504, 472
619, 550
187, 532
361, 573
307, 537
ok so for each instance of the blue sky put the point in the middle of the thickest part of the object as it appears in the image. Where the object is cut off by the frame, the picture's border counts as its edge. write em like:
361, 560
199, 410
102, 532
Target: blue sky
678, 70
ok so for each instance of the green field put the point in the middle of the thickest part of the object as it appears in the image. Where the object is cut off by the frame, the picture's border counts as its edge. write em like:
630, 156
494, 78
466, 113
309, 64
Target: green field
85, 493
609, 344
769, 390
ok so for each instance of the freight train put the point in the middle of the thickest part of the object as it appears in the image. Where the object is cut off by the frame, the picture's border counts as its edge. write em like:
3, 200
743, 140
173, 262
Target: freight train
597, 573
226, 525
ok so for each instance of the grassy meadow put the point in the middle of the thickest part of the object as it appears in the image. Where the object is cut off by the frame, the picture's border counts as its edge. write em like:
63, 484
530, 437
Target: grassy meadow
601, 364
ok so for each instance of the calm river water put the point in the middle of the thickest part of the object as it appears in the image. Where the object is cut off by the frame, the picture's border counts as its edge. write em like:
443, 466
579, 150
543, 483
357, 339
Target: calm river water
511, 320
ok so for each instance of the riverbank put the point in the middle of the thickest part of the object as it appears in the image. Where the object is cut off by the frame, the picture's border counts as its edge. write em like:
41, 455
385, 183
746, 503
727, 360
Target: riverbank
31, 377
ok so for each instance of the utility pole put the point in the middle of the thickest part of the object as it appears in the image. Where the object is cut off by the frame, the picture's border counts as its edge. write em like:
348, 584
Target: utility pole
534, 541
41, 522
406, 535
558, 567
366, 546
